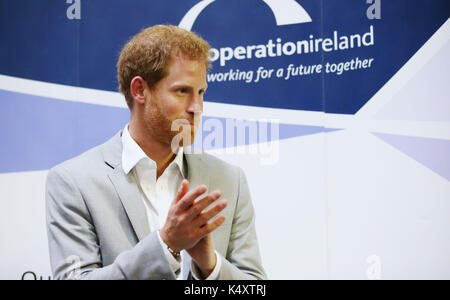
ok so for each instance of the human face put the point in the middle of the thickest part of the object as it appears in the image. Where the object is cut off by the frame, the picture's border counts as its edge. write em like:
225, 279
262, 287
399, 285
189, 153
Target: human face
176, 99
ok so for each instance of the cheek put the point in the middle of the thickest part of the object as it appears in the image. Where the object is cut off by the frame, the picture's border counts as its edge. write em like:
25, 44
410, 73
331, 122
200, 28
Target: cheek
163, 112
175, 109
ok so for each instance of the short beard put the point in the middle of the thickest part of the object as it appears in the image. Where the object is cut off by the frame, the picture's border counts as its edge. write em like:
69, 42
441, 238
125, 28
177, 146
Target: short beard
157, 124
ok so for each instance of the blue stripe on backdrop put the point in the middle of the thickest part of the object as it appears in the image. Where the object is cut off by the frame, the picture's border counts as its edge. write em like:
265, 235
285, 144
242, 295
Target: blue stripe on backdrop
38, 133
432, 153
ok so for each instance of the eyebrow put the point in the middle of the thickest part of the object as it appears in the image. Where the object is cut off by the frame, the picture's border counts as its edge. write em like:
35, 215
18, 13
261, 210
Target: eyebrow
186, 85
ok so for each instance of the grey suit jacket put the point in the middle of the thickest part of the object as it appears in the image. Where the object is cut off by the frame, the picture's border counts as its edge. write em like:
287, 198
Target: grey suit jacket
98, 229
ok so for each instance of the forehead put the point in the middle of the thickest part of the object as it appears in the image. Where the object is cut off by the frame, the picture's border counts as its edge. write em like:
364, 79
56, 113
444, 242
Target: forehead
182, 68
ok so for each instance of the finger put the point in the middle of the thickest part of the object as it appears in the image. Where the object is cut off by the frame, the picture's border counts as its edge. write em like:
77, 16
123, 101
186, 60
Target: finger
187, 200
184, 188
204, 217
210, 227
198, 207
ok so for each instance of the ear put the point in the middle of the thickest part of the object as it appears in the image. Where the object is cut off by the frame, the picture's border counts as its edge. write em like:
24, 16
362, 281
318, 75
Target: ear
138, 86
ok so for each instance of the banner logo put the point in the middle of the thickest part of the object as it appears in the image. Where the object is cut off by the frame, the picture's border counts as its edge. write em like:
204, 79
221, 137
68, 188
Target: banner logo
286, 12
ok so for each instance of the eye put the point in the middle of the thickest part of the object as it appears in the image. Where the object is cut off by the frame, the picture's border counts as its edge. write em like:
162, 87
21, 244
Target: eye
183, 90
201, 92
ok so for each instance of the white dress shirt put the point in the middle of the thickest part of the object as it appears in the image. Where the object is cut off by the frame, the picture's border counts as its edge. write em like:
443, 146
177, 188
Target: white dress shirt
158, 193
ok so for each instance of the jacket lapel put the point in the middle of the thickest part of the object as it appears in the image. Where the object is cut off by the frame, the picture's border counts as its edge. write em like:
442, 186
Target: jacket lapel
126, 187
128, 192
196, 171
196, 175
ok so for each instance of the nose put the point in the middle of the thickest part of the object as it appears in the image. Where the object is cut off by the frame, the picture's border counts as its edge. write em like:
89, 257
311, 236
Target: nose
195, 105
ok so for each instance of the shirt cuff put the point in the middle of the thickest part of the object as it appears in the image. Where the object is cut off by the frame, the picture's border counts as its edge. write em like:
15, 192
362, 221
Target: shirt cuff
174, 264
214, 274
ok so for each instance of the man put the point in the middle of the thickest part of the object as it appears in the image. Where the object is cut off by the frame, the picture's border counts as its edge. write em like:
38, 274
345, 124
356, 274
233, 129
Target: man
138, 207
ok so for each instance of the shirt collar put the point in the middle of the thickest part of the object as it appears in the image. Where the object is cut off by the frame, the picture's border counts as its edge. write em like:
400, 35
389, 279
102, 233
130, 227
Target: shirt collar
132, 154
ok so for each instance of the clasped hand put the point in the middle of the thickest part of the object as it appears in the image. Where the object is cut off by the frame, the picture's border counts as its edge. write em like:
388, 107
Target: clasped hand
187, 227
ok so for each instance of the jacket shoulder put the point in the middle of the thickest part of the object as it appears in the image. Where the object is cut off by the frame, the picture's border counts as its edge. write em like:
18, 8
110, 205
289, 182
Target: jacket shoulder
92, 158
91, 161
216, 162
220, 174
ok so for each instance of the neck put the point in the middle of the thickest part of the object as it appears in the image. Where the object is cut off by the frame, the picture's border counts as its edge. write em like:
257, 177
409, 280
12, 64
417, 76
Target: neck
159, 152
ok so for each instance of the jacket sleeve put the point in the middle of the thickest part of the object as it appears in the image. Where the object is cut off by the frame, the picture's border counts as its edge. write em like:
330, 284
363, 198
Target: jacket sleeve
243, 260
74, 246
